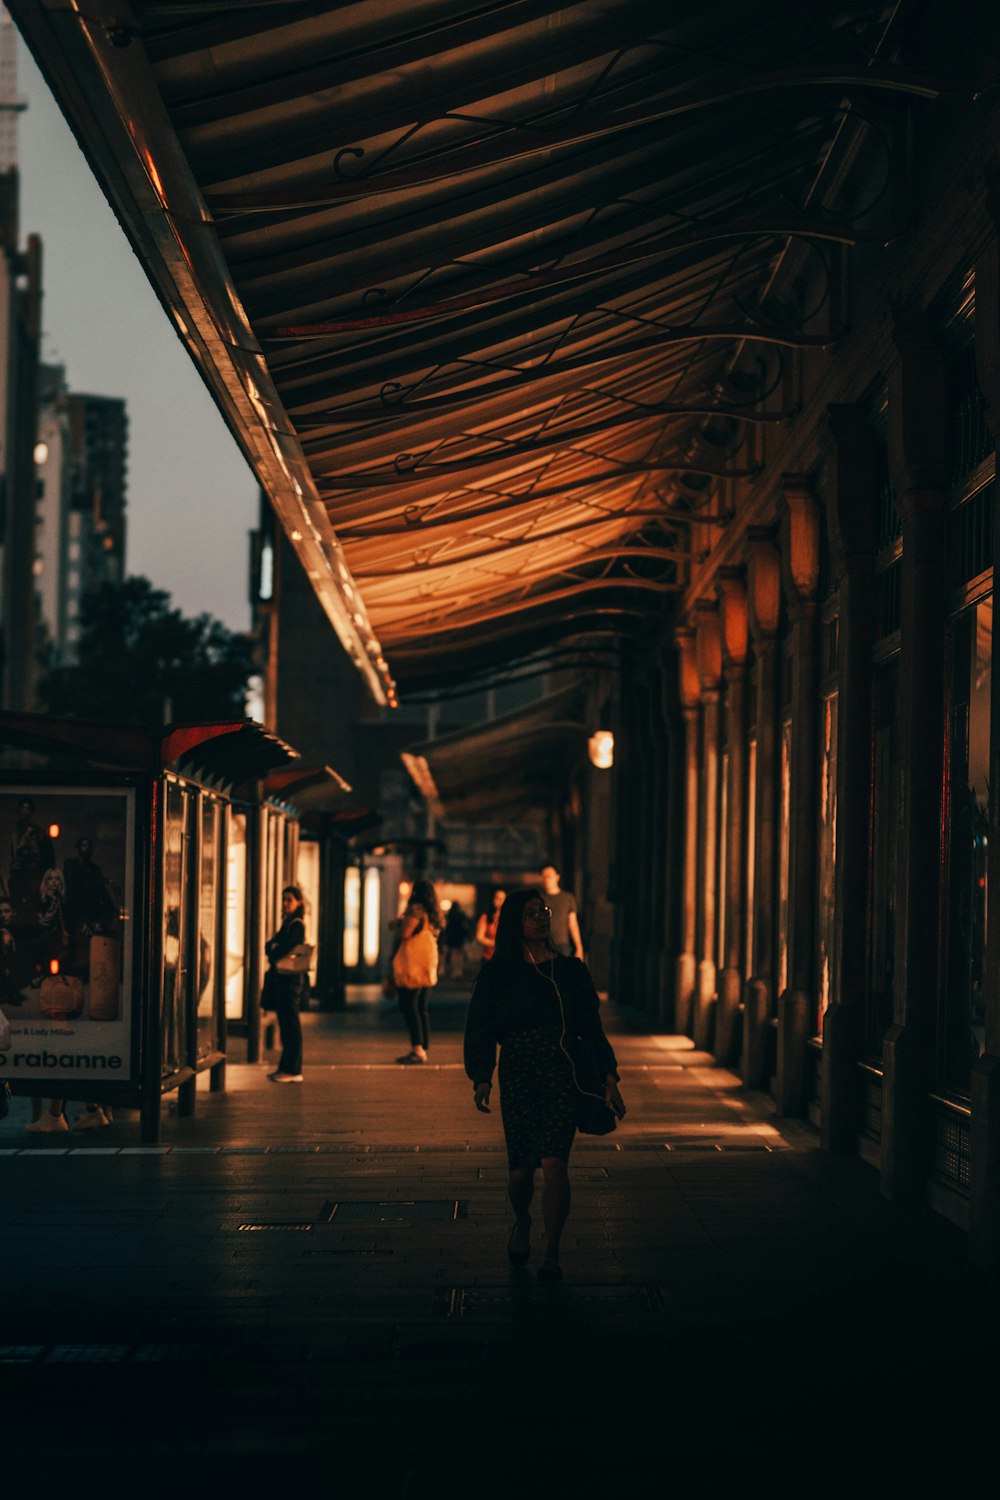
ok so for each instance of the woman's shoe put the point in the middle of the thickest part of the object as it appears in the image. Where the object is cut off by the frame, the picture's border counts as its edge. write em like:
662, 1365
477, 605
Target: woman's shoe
285, 1077
549, 1272
518, 1258
411, 1058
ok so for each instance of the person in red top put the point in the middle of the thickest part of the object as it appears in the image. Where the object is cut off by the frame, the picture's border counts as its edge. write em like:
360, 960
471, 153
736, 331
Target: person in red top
486, 927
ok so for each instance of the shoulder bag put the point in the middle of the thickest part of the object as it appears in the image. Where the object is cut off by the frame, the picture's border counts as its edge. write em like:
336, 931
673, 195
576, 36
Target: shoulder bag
415, 965
594, 1116
296, 961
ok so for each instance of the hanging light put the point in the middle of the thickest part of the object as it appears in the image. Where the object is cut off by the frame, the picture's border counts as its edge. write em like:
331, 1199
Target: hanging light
601, 749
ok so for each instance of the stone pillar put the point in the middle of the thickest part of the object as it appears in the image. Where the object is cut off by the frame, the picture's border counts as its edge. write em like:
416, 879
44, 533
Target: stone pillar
735, 627
658, 835
851, 527
687, 963
764, 602
918, 449
708, 647
800, 558
984, 1186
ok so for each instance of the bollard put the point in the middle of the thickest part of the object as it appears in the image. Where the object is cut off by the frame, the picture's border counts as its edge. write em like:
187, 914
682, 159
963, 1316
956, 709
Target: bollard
727, 1015
756, 1023
686, 973
793, 1027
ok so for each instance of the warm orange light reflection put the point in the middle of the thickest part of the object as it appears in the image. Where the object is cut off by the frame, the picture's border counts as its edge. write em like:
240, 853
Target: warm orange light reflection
53, 966
53, 830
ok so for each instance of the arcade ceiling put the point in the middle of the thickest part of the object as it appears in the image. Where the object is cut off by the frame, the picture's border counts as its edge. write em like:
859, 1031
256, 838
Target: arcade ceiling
500, 297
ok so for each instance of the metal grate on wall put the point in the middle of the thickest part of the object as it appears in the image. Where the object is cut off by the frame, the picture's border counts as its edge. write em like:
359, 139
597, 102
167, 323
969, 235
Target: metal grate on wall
952, 1152
888, 601
970, 536
872, 1118
971, 439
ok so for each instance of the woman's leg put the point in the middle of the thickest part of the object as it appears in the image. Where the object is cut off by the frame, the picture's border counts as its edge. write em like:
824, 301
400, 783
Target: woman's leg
520, 1191
555, 1204
407, 1000
420, 1002
286, 1003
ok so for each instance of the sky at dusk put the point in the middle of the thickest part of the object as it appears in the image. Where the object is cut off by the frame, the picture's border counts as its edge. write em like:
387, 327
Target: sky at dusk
192, 497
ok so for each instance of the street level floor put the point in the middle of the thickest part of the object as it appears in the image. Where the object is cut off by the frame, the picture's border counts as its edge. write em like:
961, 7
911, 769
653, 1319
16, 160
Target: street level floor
306, 1287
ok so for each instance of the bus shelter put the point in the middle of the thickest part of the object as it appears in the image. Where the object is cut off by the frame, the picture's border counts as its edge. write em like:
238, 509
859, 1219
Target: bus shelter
119, 954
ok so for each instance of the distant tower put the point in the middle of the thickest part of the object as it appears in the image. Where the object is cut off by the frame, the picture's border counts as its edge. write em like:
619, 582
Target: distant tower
10, 104
20, 325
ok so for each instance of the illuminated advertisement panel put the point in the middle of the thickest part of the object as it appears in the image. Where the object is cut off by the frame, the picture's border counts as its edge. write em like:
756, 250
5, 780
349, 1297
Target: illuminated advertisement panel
66, 897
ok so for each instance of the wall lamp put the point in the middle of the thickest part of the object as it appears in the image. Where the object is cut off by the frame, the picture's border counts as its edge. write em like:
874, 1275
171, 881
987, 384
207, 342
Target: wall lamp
601, 749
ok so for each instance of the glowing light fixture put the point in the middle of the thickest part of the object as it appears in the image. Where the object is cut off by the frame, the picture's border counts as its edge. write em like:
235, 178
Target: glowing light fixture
372, 904
41, 452
601, 749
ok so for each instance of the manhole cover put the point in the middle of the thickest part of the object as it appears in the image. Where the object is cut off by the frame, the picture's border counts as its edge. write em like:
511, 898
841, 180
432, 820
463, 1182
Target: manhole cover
393, 1213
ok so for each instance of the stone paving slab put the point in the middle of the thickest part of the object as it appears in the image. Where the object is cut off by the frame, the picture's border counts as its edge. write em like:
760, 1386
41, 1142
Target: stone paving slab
721, 1273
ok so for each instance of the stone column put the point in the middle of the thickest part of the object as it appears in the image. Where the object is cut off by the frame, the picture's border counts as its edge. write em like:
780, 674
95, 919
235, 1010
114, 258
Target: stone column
687, 963
764, 601
984, 1186
735, 627
801, 579
708, 646
656, 860
918, 449
851, 529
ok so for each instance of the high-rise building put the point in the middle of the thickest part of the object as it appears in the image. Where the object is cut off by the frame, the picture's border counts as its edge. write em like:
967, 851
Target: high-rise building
81, 485
20, 305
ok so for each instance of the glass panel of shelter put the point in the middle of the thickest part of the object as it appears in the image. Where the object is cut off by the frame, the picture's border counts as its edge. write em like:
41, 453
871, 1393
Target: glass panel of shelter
173, 990
209, 879
236, 915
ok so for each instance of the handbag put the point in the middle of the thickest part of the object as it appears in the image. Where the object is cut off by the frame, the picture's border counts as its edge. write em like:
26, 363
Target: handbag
296, 960
594, 1116
415, 963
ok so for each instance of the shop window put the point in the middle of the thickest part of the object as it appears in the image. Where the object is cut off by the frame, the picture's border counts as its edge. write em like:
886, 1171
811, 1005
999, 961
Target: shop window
751, 851
784, 853
963, 1019
722, 884
886, 815
827, 855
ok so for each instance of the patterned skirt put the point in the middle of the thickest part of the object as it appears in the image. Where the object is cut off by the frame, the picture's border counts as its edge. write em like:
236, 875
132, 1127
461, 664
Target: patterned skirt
537, 1098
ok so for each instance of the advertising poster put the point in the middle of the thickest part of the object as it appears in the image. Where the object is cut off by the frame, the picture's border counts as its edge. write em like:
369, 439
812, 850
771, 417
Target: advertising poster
66, 895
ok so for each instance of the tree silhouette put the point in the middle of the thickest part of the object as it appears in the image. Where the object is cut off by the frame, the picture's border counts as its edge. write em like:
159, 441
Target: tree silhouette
142, 662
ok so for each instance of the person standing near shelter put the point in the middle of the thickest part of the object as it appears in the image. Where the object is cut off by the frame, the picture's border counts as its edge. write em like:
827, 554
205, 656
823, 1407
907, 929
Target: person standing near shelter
565, 932
283, 991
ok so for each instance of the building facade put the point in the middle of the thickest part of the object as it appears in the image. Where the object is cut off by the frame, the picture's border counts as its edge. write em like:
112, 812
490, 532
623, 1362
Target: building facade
819, 737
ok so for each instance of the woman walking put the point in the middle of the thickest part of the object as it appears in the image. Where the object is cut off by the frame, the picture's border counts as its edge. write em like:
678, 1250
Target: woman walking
283, 992
526, 1000
415, 967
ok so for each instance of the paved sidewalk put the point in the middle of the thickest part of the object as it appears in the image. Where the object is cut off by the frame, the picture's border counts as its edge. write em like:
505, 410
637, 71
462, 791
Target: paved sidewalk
311, 1282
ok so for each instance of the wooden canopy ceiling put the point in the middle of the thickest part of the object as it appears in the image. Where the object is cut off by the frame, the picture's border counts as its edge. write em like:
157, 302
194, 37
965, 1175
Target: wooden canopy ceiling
487, 289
